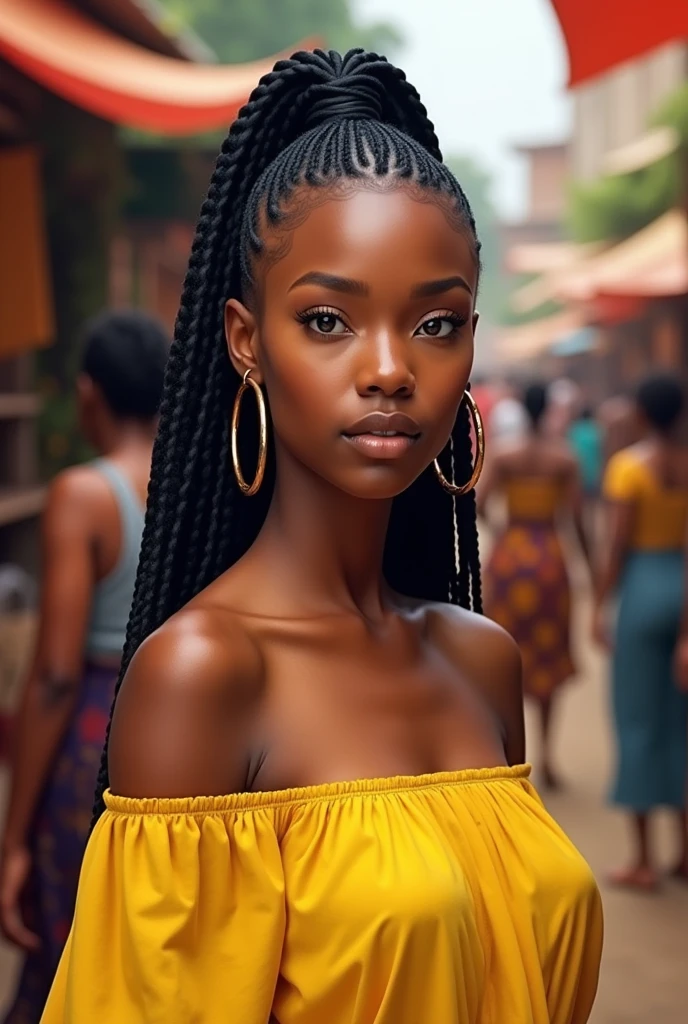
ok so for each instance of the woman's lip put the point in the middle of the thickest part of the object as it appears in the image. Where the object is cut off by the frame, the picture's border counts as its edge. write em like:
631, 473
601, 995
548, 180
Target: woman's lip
382, 447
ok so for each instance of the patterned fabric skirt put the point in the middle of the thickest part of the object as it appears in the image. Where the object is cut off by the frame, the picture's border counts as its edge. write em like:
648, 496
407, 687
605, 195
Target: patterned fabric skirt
58, 841
527, 592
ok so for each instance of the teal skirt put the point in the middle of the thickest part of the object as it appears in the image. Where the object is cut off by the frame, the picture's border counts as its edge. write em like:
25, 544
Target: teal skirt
650, 714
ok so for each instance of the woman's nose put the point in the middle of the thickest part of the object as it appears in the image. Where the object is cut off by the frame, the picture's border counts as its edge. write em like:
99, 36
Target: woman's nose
386, 369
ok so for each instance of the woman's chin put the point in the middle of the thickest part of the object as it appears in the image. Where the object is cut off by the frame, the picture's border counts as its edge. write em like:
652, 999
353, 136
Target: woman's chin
376, 483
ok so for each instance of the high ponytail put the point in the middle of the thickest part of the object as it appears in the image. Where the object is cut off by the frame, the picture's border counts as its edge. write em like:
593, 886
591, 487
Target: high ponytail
314, 120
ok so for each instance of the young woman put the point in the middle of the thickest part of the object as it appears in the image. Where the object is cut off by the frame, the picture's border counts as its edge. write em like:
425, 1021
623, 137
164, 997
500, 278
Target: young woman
528, 590
92, 528
317, 809
647, 490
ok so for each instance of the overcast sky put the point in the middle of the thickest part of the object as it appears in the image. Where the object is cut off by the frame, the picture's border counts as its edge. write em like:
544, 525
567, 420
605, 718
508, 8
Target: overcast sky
490, 72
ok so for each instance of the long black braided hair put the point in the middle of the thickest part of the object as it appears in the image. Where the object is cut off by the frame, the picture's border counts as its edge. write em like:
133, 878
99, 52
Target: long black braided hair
314, 120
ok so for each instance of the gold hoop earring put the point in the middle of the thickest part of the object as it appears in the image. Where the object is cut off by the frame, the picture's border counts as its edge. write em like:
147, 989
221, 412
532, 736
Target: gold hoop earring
459, 489
249, 489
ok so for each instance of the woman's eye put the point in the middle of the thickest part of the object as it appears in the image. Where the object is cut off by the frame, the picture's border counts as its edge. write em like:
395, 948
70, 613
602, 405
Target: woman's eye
440, 326
326, 323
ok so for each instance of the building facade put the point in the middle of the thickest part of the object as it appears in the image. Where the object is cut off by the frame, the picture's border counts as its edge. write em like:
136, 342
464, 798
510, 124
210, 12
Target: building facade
613, 110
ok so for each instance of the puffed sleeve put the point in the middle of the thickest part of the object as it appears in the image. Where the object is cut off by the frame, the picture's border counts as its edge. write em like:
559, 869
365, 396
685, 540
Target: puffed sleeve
180, 917
623, 478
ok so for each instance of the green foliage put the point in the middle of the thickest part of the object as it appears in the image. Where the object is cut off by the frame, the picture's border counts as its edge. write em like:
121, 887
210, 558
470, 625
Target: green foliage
477, 184
616, 207
167, 182
513, 318
243, 30
674, 113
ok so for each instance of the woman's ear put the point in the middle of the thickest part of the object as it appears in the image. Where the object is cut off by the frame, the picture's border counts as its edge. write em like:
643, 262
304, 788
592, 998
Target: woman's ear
241, 333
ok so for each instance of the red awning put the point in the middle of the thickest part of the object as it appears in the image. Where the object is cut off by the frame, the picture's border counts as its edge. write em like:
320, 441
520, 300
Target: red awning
601, 35
90, 66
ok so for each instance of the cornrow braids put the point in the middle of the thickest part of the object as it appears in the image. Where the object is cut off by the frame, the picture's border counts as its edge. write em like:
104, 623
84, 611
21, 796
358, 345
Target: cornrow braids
315, 121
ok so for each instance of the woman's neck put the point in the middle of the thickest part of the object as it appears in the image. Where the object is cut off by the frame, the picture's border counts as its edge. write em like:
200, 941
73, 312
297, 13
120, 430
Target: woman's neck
665, 439
325, 547
126, 437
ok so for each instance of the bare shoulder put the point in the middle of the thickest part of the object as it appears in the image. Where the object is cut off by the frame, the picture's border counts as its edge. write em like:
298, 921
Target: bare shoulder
76, 495
183, 718
557, 450
640, 452
476, 641
490, 659
569, 462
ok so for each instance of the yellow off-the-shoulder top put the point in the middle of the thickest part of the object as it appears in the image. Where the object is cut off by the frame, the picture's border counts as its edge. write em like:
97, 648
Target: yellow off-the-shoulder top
443, 899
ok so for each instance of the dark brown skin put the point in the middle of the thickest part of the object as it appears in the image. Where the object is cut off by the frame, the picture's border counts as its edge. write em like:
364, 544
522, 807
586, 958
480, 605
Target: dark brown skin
81, 538
299, 666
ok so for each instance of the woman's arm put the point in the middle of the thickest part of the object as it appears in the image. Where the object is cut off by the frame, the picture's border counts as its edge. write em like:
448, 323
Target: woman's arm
614, 552
575, 498
51, 689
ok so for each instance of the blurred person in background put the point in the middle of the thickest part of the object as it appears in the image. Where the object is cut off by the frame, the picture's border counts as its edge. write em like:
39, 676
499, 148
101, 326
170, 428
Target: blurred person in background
585, 437
618, 421
646, 487
507, 418
527, 587
91, 534
485, 394
564, 398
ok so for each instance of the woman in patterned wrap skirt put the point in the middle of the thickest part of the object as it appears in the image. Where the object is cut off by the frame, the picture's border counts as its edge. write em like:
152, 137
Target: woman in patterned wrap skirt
527, 579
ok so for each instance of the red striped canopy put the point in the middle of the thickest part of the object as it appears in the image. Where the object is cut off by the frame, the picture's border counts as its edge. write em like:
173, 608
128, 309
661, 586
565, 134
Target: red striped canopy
92, 67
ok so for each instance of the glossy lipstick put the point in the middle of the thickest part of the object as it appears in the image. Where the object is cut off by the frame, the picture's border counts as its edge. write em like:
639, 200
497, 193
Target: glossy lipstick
383, 435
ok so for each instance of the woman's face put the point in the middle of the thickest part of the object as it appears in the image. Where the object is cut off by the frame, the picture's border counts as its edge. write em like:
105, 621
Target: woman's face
363, 338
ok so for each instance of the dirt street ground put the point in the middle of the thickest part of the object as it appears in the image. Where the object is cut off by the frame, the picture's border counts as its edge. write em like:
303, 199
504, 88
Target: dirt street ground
645, 971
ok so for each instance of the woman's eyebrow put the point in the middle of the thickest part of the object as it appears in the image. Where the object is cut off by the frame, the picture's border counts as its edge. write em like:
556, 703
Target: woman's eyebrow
446, 284
333, 282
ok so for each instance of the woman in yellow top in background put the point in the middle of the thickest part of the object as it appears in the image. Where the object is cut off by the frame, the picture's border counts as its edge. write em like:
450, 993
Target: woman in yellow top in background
647, 490
527, 578
317, 808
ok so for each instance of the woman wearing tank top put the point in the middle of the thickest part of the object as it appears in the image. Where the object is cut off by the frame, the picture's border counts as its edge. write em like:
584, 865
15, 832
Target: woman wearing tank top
91, 534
